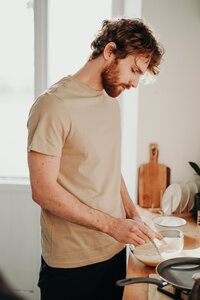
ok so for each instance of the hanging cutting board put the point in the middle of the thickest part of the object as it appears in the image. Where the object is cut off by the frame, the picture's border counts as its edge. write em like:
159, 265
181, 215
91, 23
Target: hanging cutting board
152, 180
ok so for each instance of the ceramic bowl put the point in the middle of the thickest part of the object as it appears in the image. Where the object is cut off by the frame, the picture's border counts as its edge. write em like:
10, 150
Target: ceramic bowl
169, 222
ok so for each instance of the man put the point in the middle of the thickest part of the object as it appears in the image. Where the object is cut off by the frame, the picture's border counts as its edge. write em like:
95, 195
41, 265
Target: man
87, 216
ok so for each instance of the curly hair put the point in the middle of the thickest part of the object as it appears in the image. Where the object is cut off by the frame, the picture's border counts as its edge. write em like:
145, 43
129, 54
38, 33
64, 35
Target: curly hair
131, 36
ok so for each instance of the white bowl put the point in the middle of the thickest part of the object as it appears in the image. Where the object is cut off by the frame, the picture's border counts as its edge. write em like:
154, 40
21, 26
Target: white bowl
169, 222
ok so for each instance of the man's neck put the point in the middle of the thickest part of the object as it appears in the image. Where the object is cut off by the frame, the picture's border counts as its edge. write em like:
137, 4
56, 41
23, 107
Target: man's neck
90, 74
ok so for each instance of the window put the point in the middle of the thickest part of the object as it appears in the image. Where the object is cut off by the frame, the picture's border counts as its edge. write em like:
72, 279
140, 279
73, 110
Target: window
66, 42
16, 84
72, 27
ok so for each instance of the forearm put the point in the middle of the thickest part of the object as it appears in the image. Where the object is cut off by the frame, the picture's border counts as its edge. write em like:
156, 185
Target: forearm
130, 209
57, 200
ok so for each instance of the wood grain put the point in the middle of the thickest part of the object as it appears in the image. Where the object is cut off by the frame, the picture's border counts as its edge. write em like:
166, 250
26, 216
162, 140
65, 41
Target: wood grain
153, 178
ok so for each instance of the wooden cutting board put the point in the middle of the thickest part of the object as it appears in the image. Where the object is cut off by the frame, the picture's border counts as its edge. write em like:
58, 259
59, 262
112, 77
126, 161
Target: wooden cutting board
153, 178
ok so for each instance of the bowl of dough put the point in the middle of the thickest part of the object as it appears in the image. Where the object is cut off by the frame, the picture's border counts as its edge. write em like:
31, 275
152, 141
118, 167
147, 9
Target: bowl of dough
169, 222
169, 247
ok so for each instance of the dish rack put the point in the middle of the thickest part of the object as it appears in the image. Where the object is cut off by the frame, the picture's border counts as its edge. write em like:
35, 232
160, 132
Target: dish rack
178, 213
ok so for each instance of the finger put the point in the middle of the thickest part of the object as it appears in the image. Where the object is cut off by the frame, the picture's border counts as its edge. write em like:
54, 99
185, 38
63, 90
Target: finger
139, 233
149, 233
158, 236
137, 241
143, 236
155, 234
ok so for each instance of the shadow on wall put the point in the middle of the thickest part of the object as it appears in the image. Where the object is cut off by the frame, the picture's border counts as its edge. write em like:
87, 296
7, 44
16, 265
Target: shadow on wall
6, 291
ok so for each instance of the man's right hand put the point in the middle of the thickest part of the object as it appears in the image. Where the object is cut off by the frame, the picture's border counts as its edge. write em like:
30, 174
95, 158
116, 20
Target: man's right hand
134, 232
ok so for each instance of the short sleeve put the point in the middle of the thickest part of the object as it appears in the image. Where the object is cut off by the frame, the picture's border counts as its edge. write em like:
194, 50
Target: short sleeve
48, 125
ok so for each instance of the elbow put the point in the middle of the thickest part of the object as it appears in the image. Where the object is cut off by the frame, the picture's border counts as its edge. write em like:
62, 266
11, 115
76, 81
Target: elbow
37, 197
42, 195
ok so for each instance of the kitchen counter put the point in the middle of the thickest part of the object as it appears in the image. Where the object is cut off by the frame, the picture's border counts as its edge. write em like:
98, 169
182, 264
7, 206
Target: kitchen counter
138, 269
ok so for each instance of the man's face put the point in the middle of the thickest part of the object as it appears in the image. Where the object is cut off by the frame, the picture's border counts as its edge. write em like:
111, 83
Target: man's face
123, 74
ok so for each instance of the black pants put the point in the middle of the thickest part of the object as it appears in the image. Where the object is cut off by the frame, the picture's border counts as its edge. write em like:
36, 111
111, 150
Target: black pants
93, 282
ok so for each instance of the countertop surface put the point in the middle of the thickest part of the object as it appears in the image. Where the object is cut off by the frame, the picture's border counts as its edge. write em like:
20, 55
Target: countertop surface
138, 269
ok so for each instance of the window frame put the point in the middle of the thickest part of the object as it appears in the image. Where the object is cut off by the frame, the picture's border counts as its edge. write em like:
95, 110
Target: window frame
40, 10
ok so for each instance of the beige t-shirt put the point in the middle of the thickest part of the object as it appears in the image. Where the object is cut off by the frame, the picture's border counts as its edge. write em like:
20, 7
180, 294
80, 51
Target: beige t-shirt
82, 127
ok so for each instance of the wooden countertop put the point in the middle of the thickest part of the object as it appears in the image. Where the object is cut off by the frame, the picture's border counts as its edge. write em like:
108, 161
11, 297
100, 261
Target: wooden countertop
138, 269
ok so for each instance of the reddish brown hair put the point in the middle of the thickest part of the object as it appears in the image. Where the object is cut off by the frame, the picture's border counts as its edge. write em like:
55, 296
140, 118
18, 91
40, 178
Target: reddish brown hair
131, 36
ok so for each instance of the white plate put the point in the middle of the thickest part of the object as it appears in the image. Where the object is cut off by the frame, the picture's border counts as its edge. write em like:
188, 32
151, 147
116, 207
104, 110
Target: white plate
185, 196
171, 198
193, 190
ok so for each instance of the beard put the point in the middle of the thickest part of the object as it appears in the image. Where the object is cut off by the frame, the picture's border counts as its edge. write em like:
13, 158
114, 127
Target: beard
110, 80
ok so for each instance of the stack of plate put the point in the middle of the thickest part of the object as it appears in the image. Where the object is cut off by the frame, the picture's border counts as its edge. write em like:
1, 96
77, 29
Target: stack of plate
179, 197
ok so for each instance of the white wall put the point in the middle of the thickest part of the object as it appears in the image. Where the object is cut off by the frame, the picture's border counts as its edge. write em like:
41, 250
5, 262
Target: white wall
129, 118
169, 110
19, 239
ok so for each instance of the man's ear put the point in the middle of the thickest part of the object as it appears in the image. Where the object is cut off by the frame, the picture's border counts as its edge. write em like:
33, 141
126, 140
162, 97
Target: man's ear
108, 53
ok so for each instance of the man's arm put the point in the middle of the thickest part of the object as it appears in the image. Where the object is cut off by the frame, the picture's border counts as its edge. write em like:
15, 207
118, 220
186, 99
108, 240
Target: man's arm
51, 196
130, 209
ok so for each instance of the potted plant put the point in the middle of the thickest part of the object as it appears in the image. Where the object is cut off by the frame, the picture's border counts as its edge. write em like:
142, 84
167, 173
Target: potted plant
195, 167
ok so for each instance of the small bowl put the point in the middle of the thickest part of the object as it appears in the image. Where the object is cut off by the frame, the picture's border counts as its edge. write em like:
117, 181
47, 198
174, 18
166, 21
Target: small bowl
170, 247
169, 222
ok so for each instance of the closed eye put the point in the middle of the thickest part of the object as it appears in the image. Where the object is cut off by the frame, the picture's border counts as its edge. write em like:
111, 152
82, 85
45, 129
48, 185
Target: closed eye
133, 70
